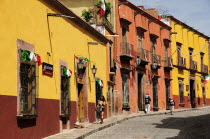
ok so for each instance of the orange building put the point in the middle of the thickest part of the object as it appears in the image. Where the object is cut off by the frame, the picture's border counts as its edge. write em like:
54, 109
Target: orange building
145, 39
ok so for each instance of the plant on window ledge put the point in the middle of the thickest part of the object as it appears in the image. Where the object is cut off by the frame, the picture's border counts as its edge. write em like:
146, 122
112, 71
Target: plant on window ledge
126, 105
87, 15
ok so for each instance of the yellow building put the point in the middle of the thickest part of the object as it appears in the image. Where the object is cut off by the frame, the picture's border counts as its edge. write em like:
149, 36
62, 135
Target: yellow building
88, 5
190, 60
105, 25
48, 56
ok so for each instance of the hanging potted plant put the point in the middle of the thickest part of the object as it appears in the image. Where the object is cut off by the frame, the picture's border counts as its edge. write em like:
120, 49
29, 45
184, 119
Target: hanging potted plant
87, 15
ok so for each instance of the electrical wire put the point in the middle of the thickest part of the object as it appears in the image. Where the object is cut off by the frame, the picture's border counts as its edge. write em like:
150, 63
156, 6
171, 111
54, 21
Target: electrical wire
193, 54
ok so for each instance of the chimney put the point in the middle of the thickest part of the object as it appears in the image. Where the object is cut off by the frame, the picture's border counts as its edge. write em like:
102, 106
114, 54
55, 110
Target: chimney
153, 12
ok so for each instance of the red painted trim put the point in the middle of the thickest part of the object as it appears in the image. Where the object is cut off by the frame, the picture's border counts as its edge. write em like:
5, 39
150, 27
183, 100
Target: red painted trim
44, 125
91, 112
73, 113
187, 103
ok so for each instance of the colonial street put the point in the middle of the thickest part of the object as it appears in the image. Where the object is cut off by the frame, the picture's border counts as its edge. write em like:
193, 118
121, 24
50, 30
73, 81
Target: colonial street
193, 124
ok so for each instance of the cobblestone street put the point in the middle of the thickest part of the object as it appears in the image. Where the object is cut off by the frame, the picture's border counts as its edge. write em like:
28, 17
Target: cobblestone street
182, 125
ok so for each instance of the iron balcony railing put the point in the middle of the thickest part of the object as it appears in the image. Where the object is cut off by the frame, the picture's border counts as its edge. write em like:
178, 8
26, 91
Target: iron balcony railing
168, 62
143, 54
193, 65
156, 59
102, 21
182, 62
204, 68
127, 49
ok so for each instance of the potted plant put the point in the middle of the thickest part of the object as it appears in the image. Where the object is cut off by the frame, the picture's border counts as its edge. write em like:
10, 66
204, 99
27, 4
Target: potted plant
87, 15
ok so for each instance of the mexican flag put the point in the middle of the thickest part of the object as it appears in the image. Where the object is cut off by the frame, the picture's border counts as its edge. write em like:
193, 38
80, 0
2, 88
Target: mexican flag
161, 17
67, 72
103, 8
206, 79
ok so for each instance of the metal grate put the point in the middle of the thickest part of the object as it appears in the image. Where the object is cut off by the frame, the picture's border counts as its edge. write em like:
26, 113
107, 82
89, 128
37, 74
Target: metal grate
28, 89
65, 95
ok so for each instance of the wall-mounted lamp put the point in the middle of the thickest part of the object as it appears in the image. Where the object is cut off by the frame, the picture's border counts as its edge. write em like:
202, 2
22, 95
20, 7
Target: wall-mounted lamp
154, 65
138, 61
80, 64
94, 70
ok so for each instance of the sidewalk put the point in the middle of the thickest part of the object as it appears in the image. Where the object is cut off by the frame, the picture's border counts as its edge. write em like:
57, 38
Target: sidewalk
95, 127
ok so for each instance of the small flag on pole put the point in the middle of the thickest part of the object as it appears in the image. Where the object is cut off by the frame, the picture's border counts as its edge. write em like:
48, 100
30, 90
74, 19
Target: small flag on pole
103, 8
206, 79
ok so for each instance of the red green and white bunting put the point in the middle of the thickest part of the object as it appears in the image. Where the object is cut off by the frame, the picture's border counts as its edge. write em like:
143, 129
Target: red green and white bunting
161, 17
83, 58
30, 56
67, 72
100, 83
206, 79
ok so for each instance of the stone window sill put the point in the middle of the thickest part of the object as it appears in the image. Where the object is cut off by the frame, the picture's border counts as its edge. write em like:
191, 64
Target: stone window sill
27, 116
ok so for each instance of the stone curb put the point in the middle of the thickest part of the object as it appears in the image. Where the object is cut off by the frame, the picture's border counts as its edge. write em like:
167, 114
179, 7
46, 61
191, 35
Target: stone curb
135, 116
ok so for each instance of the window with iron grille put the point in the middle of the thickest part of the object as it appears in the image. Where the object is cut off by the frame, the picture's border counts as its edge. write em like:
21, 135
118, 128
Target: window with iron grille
140, 41
125, 87
181, 92
111, 61
27, 88
65, 110
178, 45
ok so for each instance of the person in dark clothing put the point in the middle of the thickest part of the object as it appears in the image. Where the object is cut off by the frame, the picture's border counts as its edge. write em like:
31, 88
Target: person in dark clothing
147, 103
101, 104
171, 105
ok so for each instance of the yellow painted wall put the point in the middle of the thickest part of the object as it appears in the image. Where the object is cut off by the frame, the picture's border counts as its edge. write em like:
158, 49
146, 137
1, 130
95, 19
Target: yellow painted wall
188, 38
8, 75
27, 20
77, 6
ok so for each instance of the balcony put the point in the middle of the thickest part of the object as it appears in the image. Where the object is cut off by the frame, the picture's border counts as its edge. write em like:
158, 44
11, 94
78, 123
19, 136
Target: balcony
126, 51
193, 65
156, 59
168, 63
204, 69
102, 21
181, 62
144, 56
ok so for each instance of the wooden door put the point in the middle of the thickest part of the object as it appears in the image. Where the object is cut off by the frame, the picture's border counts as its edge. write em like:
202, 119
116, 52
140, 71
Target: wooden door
155, 94
80, 102
140, 93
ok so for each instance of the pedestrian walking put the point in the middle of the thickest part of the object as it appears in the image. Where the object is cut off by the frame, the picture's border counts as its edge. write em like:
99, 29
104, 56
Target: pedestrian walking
171, 105
147, 103
101, 103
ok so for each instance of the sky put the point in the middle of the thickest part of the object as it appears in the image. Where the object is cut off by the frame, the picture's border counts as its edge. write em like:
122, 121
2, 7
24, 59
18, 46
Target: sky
195, 13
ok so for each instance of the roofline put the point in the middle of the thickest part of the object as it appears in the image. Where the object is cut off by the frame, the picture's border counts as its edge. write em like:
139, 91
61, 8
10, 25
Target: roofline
77, 20
147, 14
189, 27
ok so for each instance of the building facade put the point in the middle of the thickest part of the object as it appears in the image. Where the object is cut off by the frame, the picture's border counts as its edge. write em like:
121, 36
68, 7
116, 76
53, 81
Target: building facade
51, 55
190, 61
144, 37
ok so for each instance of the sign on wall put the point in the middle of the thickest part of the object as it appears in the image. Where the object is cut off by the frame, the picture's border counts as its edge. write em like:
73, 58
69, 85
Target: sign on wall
47, 69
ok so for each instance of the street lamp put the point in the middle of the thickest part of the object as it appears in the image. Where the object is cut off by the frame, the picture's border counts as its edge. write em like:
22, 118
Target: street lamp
138, 61
94, 69
80, 64
154, 65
